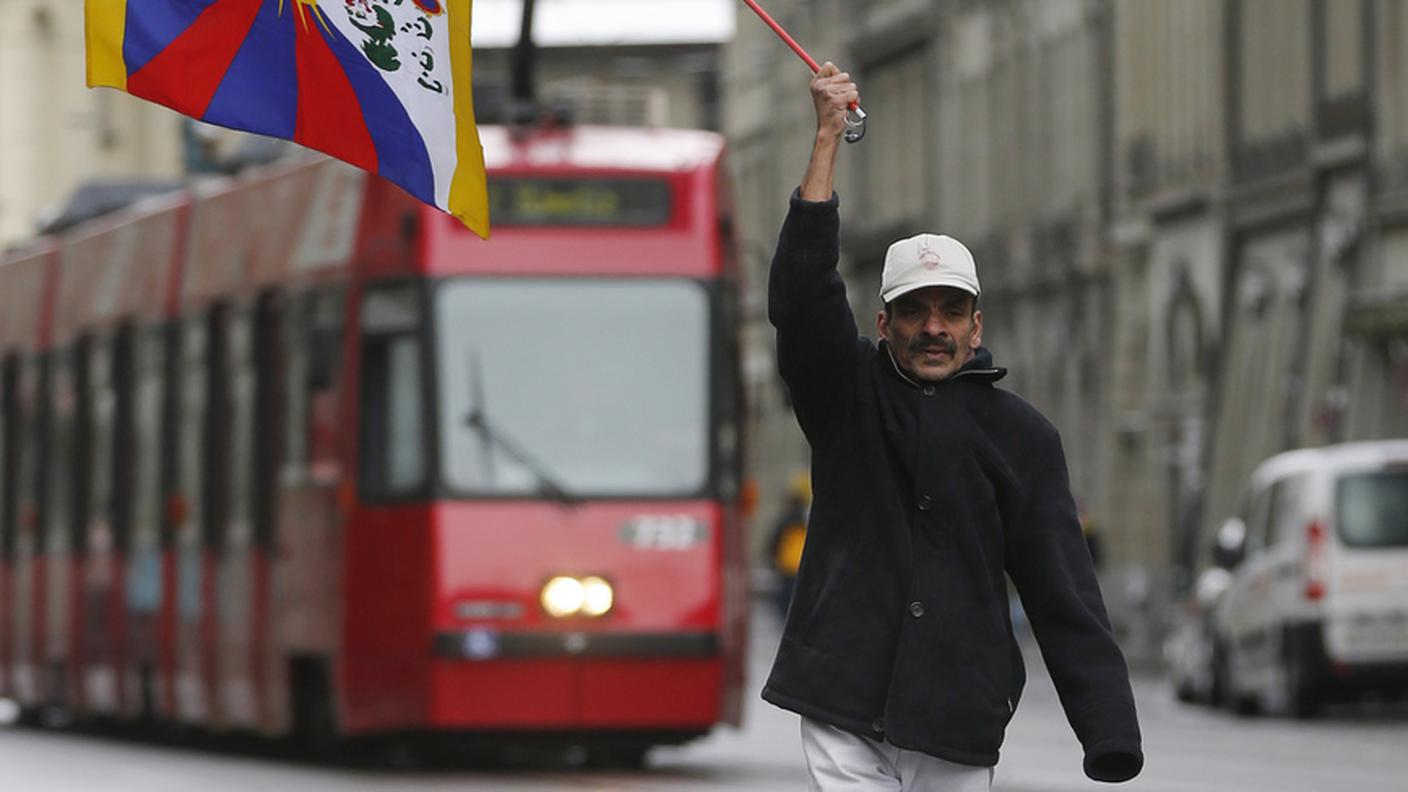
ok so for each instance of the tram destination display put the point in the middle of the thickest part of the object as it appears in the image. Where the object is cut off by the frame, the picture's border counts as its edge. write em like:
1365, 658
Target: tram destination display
579, 202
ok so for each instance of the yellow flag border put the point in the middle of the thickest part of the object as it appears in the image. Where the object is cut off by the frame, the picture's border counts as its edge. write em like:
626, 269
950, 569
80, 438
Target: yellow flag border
104, 29
469, 190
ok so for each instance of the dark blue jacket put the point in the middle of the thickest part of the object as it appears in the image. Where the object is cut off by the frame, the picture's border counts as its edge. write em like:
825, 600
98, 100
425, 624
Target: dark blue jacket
925, 496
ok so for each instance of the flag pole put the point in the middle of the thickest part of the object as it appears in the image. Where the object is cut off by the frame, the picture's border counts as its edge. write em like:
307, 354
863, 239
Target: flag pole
855, 119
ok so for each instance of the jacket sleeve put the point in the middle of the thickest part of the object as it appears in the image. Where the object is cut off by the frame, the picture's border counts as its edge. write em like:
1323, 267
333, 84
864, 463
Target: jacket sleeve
817, 340
1050, 565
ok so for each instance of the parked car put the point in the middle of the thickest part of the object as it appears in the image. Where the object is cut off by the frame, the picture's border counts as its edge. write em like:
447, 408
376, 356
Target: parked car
1188, 649
1316, 603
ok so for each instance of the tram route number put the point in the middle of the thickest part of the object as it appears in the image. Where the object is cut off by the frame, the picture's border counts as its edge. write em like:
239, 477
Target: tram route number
664, 532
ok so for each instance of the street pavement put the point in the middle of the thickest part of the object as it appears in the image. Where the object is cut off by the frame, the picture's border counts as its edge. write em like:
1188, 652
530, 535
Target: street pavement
1188, 749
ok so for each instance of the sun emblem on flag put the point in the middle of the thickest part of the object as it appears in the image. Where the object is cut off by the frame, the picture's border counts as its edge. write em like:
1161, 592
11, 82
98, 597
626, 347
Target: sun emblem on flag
312, 10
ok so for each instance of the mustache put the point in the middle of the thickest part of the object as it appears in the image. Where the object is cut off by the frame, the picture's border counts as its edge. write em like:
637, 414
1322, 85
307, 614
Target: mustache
923, 342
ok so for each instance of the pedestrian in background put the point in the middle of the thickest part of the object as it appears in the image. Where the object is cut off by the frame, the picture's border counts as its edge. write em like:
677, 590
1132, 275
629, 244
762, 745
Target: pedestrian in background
789, 536
931, 485
1092, 539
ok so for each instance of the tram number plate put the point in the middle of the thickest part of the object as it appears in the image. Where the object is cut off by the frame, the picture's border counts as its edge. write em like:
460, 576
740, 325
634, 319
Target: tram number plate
663, 532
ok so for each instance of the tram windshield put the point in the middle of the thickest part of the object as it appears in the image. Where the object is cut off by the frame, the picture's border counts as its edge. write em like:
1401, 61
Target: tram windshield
573, 388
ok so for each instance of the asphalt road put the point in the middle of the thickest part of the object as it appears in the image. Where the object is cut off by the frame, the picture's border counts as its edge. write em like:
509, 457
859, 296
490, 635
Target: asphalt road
1362, 748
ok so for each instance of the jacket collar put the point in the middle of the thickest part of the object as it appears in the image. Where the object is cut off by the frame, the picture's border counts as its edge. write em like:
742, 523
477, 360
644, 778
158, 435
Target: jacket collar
978, 367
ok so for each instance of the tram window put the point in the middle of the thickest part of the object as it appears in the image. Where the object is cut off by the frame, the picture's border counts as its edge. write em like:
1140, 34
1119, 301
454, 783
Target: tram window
26, 475
191, 431
8, 423
295, 408
144, 541
58, 504
147, 362
312, 336
325, 340
102, 412
268, 376
120, 457
215, 443
393, 449
239, 340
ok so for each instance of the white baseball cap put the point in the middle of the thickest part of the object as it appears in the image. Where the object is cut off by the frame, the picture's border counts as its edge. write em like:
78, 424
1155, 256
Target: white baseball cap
928, 260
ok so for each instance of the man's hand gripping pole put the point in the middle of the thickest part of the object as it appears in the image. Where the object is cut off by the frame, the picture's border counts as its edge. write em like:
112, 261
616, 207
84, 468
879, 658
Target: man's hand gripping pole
855, 119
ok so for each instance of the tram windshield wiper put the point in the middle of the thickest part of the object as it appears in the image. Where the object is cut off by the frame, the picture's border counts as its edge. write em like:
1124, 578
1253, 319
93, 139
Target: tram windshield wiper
490, 434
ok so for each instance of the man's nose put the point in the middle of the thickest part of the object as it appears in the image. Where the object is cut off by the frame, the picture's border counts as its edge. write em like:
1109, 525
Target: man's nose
933, 324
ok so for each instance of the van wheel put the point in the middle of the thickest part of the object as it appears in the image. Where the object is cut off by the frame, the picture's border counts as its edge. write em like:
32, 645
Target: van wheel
1234, 700
1302, 699
1218, 692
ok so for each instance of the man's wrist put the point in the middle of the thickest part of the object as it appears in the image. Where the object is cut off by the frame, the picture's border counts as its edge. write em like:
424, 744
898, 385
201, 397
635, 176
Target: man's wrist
816, 185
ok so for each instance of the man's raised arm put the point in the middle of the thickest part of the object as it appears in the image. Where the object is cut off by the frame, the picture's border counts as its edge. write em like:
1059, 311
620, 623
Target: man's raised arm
832, 93
816, 331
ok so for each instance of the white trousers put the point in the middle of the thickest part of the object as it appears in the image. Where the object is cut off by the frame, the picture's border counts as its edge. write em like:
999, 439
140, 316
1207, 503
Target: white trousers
839, 761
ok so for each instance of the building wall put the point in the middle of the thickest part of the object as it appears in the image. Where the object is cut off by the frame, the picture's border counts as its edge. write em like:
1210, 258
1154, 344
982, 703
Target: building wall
642, 85
54, 131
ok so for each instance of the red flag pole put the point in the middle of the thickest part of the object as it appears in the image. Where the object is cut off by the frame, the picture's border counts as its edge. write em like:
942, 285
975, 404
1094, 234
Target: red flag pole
855, 120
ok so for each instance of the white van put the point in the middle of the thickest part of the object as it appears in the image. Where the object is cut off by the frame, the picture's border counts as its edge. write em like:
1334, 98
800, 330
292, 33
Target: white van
1316, 605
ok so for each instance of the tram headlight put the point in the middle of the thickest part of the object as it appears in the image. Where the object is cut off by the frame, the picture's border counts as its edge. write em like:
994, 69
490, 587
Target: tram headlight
597, 596
565, 596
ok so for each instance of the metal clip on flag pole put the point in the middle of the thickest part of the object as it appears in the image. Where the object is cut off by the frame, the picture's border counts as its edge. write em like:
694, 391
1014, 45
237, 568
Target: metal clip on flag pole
855, 119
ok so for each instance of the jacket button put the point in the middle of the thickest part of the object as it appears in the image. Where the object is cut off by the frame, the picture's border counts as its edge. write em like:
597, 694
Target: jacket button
928, 390
916, 609
878, 725
924, 501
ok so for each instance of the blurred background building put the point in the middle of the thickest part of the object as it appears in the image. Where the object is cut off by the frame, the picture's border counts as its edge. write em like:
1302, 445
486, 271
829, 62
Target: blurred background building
630, 62
1191, 215
55, 134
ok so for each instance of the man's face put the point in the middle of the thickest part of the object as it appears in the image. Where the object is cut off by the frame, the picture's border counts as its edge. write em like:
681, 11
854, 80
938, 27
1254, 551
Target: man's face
933, 331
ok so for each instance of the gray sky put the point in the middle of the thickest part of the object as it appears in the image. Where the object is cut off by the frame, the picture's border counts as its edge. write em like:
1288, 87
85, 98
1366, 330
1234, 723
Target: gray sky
598, 22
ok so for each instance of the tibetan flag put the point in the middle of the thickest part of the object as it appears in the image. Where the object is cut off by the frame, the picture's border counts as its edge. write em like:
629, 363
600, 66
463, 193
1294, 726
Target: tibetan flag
381, 84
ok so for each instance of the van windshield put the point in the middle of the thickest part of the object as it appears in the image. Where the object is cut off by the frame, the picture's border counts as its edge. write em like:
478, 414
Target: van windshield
1372, 509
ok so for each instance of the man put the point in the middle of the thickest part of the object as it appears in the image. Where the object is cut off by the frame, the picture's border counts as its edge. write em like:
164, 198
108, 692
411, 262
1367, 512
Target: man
929, 486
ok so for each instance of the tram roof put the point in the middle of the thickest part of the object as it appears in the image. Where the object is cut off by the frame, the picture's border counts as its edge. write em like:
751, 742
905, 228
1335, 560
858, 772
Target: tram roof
601, 148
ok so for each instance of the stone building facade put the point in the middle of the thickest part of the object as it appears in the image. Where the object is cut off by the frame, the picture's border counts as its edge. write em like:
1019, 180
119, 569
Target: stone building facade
55, 133
1189, 217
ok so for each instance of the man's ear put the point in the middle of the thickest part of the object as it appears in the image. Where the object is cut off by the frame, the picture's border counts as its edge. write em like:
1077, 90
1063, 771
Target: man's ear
977, 337
882, 325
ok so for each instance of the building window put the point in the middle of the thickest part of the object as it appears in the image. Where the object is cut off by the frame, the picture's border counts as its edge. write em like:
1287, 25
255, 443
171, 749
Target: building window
897, 147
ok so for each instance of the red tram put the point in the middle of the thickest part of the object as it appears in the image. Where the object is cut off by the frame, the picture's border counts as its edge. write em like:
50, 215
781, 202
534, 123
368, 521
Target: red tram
294, 454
